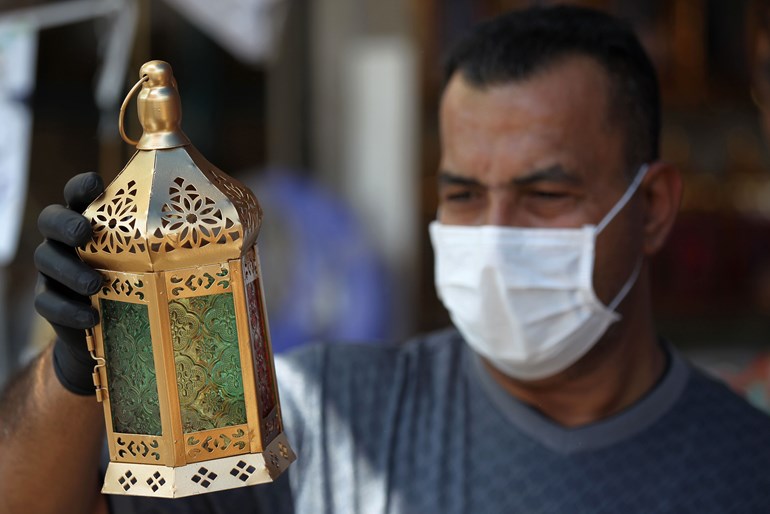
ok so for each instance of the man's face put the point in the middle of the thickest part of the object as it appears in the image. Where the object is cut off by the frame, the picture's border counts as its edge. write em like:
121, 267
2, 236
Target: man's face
543, 152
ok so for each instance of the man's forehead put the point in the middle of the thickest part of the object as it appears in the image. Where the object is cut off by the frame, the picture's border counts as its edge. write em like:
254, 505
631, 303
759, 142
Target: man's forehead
554, 85
559, 116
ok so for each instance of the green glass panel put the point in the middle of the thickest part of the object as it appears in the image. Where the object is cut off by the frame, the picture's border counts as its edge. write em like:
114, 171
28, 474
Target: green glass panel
208, 363
133, 390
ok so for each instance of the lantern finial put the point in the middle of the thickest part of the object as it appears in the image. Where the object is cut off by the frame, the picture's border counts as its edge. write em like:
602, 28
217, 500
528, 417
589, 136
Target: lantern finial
159, 108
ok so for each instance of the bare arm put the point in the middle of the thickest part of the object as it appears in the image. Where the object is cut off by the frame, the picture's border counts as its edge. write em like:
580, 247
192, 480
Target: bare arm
50, 443
51, 437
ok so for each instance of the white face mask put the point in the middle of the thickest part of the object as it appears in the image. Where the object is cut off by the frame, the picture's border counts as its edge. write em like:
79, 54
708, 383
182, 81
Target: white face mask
524, 297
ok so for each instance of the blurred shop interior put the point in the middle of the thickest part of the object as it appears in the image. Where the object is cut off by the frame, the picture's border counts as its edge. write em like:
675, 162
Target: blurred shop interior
327, 110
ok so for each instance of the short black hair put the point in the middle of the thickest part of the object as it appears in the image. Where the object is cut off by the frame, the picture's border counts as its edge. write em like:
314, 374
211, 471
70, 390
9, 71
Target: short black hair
518, 44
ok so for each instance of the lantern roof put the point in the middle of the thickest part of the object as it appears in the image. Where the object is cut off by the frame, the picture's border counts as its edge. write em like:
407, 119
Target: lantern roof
169, 208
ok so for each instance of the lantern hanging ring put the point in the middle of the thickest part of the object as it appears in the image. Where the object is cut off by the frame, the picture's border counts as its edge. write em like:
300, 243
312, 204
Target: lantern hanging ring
130, 94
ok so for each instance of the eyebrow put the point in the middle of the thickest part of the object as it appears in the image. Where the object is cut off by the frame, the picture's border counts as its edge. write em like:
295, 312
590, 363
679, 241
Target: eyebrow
555, 173
449, 178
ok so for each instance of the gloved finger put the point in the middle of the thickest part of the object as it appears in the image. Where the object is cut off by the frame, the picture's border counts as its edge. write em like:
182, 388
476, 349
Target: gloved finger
63, 310
75, 342
82, 189
64, 225
45, 283
61, 264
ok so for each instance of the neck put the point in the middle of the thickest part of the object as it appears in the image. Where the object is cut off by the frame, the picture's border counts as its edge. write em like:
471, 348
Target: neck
624, 365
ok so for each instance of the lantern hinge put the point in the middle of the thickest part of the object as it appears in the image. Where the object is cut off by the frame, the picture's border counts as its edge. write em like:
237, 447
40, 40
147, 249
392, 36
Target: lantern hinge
100, 391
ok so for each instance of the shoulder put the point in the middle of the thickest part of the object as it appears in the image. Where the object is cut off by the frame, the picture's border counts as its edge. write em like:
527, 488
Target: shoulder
709, 399
352, 375
720, 429
347, 397
334, 363
703, 405
720, 442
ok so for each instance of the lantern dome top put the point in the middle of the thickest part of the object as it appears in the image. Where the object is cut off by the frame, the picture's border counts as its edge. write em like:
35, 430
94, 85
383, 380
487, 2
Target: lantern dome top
169, 208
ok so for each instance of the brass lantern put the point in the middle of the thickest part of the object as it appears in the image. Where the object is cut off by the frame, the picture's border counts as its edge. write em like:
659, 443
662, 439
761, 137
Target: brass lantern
185, 368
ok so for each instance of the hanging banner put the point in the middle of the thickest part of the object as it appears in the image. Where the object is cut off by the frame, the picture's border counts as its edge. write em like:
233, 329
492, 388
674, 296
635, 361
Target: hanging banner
18, 54
248, 29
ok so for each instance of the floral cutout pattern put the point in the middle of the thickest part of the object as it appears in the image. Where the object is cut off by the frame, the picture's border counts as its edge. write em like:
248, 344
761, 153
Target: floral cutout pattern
244, 201
114, 224
191, 220
123, 287
134, 450
186, 284
221, 442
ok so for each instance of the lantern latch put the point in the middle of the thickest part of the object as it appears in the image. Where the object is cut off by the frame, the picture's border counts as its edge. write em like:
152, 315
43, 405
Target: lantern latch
100, 391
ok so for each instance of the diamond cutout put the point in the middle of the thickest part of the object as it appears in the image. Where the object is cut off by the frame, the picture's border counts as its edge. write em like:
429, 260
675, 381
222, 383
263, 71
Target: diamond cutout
204, 477
156, 481
242, 471
127, 480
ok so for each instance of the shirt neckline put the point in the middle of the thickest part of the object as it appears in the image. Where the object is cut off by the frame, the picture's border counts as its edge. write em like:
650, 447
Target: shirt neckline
606, 432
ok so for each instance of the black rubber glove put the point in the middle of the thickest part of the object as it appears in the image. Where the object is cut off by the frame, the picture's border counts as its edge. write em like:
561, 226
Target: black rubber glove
65, 282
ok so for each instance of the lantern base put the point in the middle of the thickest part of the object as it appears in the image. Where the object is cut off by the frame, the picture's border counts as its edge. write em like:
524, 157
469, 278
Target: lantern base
200, 477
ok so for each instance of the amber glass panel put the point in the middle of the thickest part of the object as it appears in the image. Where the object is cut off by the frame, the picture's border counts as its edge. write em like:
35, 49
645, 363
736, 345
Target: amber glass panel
133, 390
208, 363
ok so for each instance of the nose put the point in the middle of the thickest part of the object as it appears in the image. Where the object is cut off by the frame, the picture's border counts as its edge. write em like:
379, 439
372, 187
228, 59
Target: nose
500, 209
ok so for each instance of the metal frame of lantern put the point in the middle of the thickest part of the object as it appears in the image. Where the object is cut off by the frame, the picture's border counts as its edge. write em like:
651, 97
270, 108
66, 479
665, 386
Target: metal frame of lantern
185, 368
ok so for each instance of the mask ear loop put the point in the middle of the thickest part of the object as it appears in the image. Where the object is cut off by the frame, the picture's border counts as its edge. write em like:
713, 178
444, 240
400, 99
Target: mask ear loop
609, 217
623, 199
627, 286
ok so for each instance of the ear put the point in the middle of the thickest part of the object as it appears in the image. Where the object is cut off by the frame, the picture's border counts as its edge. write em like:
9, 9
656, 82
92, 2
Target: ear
661, 193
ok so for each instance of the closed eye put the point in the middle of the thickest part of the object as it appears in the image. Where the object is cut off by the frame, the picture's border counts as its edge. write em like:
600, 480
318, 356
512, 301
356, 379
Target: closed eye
460, 196
549, 195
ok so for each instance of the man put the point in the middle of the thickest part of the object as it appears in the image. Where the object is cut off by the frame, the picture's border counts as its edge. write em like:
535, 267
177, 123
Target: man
555, 395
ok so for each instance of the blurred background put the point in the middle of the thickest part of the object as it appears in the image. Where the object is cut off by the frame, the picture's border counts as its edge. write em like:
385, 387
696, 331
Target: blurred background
328, 110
